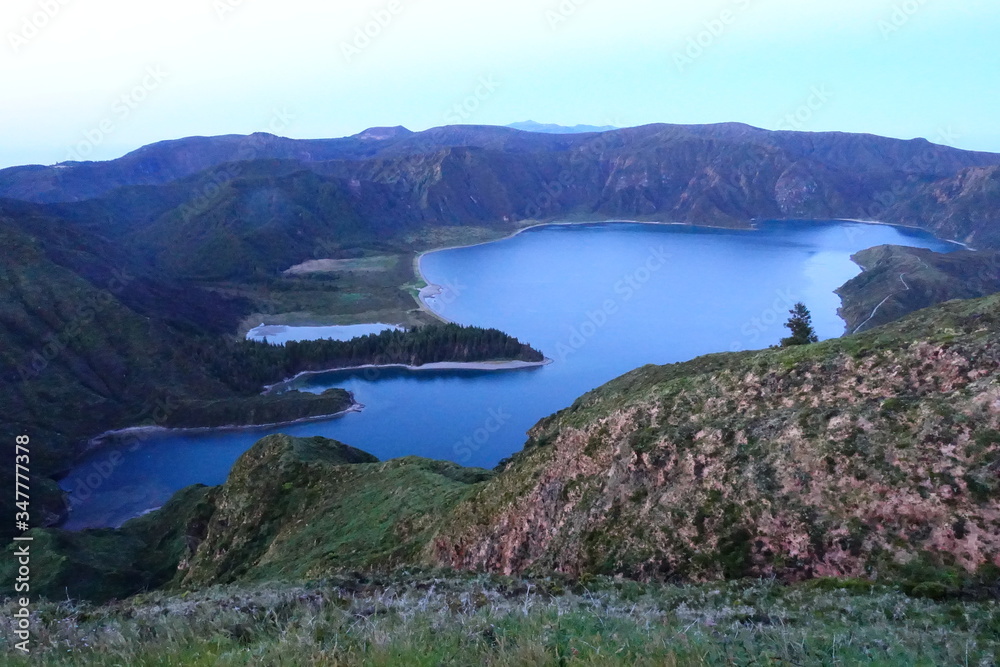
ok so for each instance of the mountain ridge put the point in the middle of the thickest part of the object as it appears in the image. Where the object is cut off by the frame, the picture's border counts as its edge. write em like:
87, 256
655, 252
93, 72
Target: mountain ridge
259, 214
552, 128
165, 161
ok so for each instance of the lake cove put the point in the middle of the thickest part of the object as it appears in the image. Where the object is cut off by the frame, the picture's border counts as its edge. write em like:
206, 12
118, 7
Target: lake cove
279, 334
598, 299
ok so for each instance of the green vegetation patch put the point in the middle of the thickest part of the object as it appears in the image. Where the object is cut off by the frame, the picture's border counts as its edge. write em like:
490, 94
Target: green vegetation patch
101, 565
440, 618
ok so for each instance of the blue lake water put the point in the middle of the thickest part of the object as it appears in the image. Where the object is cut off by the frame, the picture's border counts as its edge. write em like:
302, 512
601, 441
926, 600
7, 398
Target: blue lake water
279, 334
600, 300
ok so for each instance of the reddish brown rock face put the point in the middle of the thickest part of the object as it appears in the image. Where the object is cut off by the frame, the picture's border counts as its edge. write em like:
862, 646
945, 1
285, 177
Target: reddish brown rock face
848, 458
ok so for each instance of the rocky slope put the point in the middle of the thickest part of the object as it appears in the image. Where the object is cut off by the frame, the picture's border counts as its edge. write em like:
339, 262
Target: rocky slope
897, 281
292, 508
854, 457
237, 207
964, 206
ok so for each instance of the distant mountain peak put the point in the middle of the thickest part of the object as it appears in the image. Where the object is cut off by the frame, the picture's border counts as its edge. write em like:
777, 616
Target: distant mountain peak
382, 133
532, 126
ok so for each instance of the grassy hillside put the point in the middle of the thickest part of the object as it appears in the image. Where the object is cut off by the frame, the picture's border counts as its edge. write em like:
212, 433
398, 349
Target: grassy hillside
440, 618
93, 339
75, 358
310, 515
866, 456
876, 457
829, 503
101, 565
292, 509
264, 225
897, 281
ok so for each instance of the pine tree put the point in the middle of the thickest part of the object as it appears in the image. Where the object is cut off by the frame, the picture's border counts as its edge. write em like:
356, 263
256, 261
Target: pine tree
800, 324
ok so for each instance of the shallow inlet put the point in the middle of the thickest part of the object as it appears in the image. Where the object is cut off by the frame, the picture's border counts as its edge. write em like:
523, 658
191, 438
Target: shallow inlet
600, 300
279, 334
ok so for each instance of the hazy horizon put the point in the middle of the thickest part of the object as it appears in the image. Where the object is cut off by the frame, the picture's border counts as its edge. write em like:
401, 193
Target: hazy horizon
98, 83
942, 139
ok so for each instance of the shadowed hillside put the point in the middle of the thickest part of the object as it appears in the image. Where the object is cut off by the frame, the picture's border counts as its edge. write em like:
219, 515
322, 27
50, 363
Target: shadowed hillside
94, 339
897, 281
726, 174
873, 457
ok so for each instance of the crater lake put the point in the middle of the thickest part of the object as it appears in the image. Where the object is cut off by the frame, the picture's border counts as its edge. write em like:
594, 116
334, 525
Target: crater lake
598, 299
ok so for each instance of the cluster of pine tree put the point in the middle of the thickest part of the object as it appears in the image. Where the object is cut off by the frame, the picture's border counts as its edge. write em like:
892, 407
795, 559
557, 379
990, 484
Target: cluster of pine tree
247, 365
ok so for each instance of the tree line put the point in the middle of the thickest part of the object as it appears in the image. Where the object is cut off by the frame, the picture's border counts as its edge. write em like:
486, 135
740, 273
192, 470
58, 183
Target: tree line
246, 366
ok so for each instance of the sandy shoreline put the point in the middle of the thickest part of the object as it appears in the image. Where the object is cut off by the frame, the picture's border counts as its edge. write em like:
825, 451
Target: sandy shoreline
99, 442
429, 292
893, 224
438, 366
420, 256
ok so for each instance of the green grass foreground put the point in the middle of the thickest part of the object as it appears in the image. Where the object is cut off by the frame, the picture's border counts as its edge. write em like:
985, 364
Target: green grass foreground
426, 619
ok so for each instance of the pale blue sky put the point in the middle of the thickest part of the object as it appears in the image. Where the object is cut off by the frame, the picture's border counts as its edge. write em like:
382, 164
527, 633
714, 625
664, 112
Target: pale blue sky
96, 78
